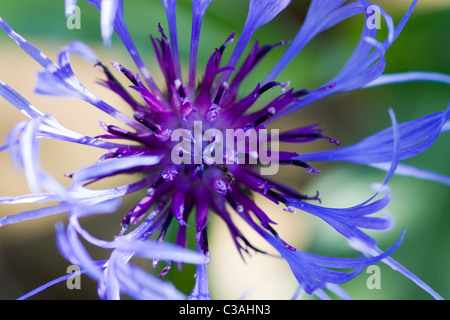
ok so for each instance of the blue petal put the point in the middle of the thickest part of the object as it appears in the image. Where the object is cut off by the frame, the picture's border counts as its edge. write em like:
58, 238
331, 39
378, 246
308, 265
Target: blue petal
33, 214
107, 17
322, 14
348, 221
260, 13
418, 173
63, 76
18, 101
49, 128
47, 285
29, 198
408, 77
170, 6
364, 66
372, 250
312, 271
69, 4
123, 33
201, 289
139, 284
113, 166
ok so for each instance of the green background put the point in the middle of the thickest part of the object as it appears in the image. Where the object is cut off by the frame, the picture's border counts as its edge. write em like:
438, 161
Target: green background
419, 206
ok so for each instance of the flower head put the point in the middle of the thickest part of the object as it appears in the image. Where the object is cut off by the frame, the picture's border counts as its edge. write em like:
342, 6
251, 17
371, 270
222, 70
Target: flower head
202, 149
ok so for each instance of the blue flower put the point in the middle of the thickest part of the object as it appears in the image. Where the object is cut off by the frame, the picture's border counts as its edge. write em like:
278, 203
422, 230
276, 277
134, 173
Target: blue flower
200, 174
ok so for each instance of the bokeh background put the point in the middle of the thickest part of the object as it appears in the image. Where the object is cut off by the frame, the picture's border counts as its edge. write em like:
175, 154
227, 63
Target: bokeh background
28, 255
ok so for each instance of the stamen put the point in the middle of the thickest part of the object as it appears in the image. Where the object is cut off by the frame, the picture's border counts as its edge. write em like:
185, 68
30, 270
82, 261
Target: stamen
265, 117
140, 117
272, 84
169, 173
214, 109
166, 269
204, 243
221, 187
198, 172
213, 113
161, 133
300, 93
285, 244
119, 132
126, 72
269, 114
222, 89
226, 43
138, 212
161, 31
302, 164
181, 89
278, 197
331, 140
186, 107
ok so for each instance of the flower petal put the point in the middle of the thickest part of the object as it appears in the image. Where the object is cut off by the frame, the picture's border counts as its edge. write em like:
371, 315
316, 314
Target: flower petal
113, 166
170, 6
260, 12
198, 11
408, 77
124, 35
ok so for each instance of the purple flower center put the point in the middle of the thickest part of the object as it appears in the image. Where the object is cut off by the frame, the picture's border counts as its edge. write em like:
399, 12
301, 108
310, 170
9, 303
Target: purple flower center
194, 129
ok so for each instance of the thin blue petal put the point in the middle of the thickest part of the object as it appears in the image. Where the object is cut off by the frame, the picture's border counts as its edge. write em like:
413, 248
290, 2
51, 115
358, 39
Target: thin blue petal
33, 214
373, 250
409, 77
170, 6
364, 65
113, 166
107, 17
69, 4
18, 101
64, 76
416, 136
198, 11
418, 173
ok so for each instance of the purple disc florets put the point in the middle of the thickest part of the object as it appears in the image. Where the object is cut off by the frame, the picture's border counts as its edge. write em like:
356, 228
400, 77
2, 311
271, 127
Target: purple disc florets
209, 142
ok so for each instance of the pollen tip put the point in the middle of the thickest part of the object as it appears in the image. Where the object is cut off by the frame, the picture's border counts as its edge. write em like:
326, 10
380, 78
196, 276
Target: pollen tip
177, 83
151, 191
289, 247
290, 210
117, 66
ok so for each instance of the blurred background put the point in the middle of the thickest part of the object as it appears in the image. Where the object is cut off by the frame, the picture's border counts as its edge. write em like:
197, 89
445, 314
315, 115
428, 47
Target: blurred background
28, 255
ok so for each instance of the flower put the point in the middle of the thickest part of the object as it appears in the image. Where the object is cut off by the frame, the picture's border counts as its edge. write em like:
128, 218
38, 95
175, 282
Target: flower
188, 144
